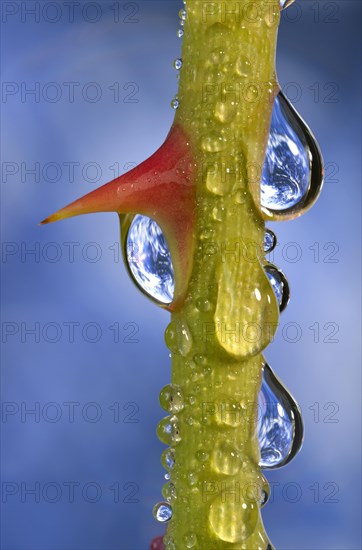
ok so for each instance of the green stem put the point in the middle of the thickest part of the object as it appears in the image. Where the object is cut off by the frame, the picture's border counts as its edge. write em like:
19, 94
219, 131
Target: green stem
230, 313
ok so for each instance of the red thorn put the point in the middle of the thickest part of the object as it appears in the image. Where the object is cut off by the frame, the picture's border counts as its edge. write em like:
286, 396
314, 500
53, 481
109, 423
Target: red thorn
161, 187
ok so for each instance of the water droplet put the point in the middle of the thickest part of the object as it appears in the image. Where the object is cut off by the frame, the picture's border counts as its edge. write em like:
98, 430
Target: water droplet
280, 425
162, 512
225, 112
213, 143
202, 456
190, 540
233, 520
285, 4
168, 430
292, 174
168, 458
171, 398
280, 285
182, 14
169, 491
175, 103
180, 33
270, 241
177, 64
203, 304
149, 259
243, 66
178, 338
226, 459
192, 478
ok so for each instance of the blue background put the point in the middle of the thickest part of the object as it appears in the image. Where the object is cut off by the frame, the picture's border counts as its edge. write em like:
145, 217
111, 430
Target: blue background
317, 51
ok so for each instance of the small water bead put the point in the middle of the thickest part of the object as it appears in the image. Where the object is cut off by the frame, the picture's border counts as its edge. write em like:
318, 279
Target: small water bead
149, 259
190, 540
270, 241
213, 143
167, 476
280, 285
243, 66
162, 512
225, 112
292, 173
180, 33
168, 458
280, 425
171, 398
177, 64
178, 338
168, 430
226, 459
202, 456
182, 15
218, 213
169, 491
233, 520
175, 103
192, 478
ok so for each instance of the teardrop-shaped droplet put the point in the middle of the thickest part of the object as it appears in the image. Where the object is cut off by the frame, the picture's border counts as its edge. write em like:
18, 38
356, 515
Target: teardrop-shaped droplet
280, 285
149, 259
270, 241
162, 511
285, 4
180, 33
292, 174
280, 425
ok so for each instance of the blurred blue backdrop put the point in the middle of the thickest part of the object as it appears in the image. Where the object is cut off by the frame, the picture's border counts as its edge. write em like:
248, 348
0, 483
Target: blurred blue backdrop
84, 349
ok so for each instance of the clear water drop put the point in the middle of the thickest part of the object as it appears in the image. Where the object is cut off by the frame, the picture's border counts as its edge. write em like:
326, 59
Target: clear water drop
280, 285
226, 459
168, 430
280, 425
162, 512
168, 458
180, 33
292, 173
171, 398
149, 259
175, 103
270, 241
177, 64
233, 520
190, 540
182, 15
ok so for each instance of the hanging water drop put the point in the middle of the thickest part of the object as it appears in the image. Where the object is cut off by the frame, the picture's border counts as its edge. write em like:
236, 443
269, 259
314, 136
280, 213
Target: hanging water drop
270, 241
177, 64
292, 173
180, 33
280, 425
162, 512
175, 103
168, 458
171, 398
149, 259
280, 285
168, 430
182, 15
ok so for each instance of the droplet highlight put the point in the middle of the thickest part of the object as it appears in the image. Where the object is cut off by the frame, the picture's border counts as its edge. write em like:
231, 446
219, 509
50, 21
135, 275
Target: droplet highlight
292, 175
280, 285
280, 425
149, 259
168, 430
285, 4
177, 64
